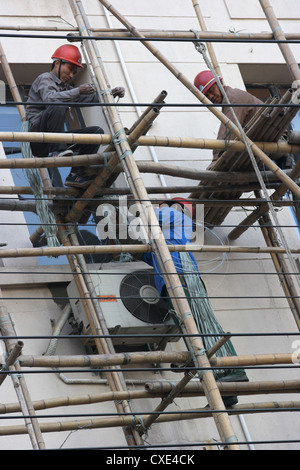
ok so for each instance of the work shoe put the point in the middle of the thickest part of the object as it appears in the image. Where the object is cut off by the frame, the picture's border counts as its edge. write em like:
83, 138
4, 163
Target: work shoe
77, 181
65, 153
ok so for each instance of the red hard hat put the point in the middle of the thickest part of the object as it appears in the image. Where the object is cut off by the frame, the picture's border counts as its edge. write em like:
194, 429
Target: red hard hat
68, 53
204, 81
181, 201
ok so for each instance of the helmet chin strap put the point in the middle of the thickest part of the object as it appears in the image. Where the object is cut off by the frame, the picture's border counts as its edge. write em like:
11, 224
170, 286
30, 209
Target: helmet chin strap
59, 68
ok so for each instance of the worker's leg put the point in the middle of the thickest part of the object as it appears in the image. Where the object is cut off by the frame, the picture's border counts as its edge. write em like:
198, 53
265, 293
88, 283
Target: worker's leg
52, 119
77, 178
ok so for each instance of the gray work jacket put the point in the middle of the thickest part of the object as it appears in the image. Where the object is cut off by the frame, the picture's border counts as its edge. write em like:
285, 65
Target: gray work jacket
48, 88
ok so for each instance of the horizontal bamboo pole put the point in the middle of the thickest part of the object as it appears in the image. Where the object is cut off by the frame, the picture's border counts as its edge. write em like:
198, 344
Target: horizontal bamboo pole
239, 388
14, 205
153, 33
93, 249
121, 421
105, 360
143, 166
151, 141
160, 389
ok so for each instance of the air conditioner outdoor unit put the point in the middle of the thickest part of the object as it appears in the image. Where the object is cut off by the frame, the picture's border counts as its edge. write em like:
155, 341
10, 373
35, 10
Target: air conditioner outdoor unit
130, 303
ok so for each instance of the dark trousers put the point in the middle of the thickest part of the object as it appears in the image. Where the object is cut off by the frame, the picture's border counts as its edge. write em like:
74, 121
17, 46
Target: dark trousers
52, 119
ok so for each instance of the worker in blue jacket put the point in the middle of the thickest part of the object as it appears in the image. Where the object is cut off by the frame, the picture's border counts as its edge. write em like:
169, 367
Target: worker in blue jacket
175, 219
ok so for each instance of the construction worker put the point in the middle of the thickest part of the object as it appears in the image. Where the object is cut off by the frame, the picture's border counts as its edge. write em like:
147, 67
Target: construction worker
53, 87
206, 82
175, 219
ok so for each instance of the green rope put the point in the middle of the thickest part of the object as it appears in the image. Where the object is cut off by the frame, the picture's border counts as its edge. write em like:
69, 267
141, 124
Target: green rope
206, 320
45, 215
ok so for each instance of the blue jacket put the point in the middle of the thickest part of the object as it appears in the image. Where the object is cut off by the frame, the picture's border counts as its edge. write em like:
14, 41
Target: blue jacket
177, 229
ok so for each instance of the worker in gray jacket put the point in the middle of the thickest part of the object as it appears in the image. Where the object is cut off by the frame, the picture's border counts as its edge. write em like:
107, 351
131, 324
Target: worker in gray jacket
53, 87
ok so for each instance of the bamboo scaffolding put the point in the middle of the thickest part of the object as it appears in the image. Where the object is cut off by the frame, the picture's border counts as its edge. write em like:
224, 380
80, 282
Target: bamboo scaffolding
279, 34
123, 421
164, 259
132, 170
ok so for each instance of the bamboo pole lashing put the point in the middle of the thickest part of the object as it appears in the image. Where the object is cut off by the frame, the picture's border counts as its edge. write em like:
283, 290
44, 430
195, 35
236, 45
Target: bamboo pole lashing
188, 376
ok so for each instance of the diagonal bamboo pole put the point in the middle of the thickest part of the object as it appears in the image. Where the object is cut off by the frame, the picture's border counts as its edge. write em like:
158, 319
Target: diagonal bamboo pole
229, 124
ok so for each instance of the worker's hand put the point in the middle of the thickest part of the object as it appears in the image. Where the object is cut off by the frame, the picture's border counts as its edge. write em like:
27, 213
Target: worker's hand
86, 89
119, 91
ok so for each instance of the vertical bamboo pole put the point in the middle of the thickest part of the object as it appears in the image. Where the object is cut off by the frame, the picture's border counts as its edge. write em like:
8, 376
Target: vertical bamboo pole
210, 48
281, 267
173, 283
96, 325
279, 34
120, 139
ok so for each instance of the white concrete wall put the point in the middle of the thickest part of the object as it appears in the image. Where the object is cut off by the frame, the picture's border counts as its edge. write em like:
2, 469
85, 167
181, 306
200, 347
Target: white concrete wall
149, 77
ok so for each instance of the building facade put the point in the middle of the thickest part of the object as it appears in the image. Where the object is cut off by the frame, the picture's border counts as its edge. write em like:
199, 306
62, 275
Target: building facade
244, 289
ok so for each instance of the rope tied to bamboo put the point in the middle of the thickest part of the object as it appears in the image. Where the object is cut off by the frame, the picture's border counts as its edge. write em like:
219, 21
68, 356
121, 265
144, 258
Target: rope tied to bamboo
45, 214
